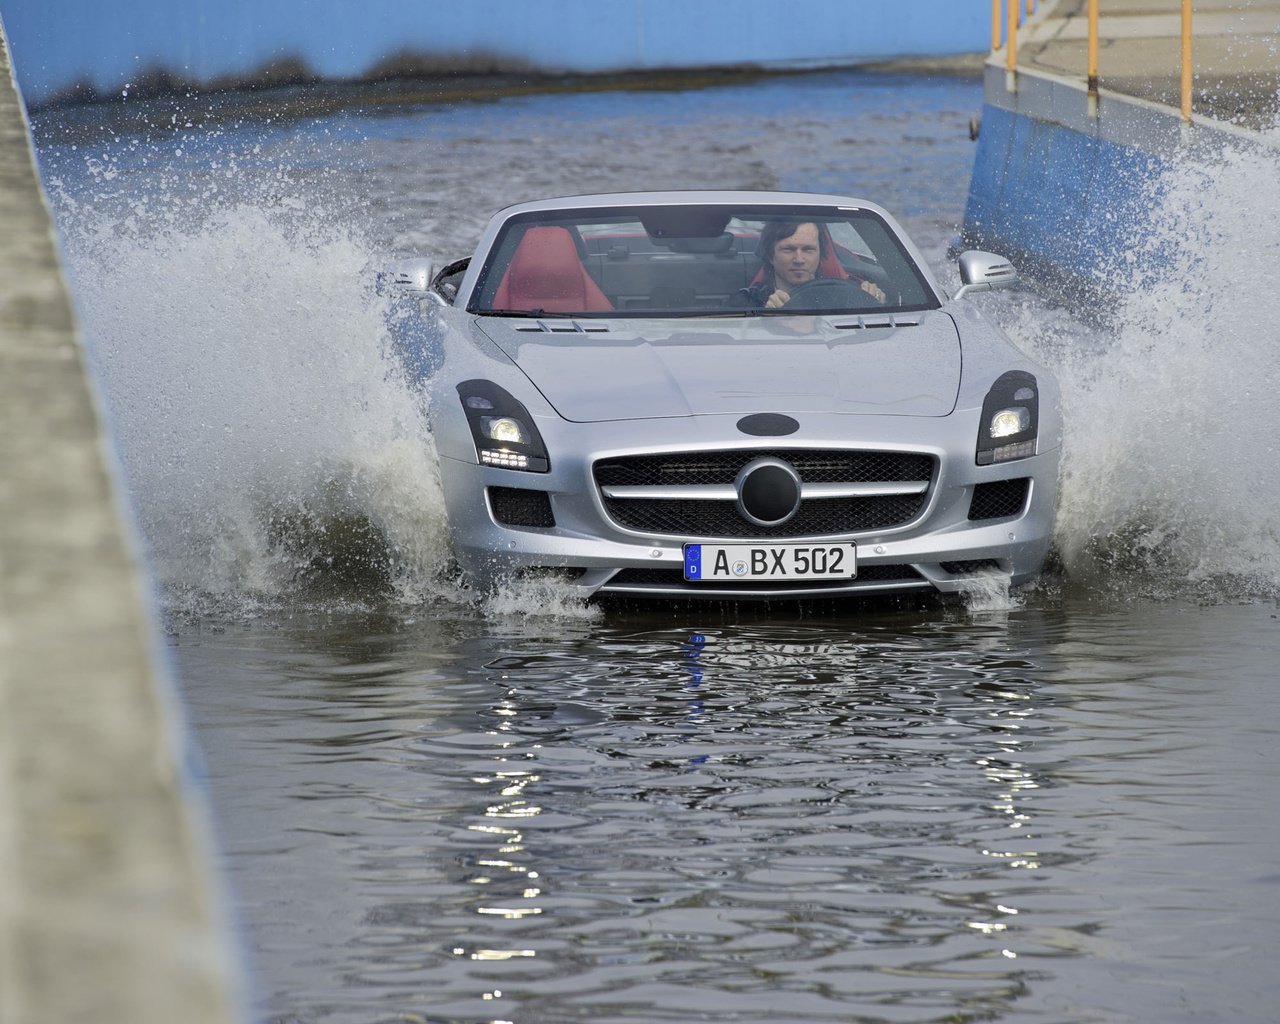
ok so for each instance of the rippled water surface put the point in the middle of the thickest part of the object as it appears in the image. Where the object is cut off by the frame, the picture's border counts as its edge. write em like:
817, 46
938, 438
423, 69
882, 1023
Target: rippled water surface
1058, 813
1055, 806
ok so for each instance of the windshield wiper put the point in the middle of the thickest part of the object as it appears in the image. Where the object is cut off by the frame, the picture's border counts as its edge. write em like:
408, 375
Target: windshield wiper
532, 314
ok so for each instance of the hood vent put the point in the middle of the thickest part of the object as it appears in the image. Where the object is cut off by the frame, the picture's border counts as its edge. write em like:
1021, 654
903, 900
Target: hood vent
867, 323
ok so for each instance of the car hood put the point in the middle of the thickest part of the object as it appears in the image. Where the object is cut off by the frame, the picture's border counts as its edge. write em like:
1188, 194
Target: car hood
598, 370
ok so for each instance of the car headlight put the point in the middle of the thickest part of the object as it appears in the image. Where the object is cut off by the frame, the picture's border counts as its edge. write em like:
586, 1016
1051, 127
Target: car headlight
502, 428
1010, 419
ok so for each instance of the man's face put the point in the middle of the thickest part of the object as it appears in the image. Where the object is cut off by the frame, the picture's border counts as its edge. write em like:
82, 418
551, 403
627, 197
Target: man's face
795, 258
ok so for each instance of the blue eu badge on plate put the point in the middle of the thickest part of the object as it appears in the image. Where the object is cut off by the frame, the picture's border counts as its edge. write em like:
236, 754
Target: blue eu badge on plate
693, 561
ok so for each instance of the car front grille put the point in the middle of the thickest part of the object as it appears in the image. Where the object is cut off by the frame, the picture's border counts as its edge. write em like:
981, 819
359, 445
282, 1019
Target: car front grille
643, 492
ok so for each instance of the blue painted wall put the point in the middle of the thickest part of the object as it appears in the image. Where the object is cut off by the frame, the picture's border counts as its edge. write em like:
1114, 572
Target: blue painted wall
1071, 191
1067, 200
57, 43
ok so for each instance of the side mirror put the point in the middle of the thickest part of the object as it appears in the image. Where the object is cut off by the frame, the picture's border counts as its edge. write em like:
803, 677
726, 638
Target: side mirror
445, 283
984, 272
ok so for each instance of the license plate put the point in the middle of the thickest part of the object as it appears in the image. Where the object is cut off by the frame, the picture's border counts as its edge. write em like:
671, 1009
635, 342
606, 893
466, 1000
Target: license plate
713, 563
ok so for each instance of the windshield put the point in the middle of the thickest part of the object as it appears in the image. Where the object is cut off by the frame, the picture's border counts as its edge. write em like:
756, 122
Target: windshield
699, 261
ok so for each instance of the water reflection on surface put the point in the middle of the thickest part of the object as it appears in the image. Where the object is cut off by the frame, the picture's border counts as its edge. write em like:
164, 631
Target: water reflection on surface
905, 817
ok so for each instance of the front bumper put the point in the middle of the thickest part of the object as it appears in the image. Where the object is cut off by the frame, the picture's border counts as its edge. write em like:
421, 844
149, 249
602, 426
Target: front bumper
941, 549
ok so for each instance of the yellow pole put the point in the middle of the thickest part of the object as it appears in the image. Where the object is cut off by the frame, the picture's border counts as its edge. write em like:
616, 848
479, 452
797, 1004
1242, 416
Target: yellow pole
1093, 58
1029, 7
1186, 61
1012, 32
995, 25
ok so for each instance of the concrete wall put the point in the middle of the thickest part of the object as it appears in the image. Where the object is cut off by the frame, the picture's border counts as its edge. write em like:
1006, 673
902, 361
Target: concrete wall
57, 43
108, 908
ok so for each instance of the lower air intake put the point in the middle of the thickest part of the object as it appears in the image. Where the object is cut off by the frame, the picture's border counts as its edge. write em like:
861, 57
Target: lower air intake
519, 506
1000, 499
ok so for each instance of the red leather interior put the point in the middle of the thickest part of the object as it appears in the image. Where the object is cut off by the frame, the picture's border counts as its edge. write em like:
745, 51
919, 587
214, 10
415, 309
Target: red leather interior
830, 266
546, 273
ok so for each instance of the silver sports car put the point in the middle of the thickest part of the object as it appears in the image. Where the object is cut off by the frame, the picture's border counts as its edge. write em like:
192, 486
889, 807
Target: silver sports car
728, 395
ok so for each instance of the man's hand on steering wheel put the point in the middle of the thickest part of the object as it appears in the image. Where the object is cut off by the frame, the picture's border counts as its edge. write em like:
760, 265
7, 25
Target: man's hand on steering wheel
822, 284
875, 291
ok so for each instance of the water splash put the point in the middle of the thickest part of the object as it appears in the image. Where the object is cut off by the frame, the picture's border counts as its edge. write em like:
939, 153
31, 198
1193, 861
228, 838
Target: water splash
538, 600
1170, 474
990, 593
269, 442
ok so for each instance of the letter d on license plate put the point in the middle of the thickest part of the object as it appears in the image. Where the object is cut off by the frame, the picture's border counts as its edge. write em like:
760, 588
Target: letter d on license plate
716, 563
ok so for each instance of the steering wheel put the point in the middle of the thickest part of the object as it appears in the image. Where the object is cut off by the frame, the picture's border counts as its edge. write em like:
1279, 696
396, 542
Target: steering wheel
827, 293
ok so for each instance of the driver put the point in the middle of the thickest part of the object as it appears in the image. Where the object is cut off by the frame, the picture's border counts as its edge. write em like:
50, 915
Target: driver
793, 255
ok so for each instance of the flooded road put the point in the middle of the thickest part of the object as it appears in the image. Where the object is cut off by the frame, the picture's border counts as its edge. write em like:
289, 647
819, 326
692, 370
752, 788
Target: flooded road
433, 806
1059, 813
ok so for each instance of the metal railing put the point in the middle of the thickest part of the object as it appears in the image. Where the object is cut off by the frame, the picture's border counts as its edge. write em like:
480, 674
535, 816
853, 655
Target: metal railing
1009, 13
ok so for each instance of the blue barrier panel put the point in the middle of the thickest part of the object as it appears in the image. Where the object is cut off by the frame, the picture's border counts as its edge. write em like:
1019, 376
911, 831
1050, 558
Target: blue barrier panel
1064, 201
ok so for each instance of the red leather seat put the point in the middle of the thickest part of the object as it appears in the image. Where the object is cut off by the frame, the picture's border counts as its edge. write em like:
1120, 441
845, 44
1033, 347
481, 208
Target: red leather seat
545, 273
831, 267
